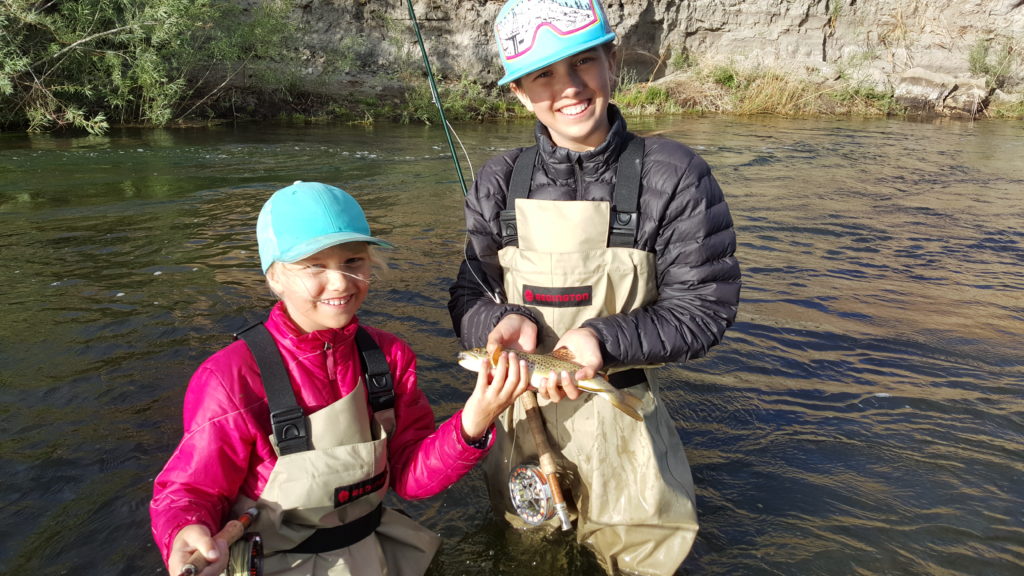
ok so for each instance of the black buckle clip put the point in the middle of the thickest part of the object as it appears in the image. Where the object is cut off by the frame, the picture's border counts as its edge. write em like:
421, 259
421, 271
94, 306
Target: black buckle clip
382, 393
623, 229
290, 430
509, 230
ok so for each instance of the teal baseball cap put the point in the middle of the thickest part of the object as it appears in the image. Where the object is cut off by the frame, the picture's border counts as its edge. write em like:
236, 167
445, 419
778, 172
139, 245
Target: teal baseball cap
306, 217
533, 34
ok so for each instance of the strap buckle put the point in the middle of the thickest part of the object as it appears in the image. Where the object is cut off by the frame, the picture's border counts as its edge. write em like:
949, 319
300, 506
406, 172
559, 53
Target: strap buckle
509, 230
623, 232
290, 430
382, 391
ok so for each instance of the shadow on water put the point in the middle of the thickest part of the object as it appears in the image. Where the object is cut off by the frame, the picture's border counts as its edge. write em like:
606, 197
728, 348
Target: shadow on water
863, 416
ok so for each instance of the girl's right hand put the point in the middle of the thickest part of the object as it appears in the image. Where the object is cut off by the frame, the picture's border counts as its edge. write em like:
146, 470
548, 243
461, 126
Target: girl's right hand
197, 537
496, 389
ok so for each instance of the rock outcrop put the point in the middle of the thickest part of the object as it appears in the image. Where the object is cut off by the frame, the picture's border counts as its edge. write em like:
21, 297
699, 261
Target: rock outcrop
881, 43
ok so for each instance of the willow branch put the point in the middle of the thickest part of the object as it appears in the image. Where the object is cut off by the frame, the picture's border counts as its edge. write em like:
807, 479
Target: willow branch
72, 46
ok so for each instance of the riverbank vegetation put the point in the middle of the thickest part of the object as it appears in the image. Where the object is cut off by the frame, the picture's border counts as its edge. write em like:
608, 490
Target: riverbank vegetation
720, 89
702, 88
89, 64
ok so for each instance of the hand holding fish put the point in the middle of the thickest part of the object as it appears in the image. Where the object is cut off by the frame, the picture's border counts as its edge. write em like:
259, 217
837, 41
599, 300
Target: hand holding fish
583, 347
539, 368
497, 387
513, 332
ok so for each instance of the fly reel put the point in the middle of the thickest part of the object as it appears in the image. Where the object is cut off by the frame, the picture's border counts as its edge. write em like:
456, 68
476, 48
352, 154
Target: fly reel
245, 557
531, 494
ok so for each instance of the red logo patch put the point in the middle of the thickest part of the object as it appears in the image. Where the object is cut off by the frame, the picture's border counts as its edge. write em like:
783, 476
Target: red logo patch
572, 297
345, 494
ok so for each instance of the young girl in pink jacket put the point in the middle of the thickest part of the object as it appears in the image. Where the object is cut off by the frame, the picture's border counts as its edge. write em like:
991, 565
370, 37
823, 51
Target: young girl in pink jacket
310, 417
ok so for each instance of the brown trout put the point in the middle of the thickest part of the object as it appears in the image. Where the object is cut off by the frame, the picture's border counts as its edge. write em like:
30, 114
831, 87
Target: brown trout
541, 365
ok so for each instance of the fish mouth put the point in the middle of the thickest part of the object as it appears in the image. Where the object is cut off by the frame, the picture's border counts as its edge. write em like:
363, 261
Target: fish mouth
470, 360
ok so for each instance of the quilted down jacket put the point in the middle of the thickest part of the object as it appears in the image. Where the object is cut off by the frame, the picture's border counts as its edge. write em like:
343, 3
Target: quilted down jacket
684, 221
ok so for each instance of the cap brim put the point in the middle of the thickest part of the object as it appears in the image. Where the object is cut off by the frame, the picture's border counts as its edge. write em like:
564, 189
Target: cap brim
310, 247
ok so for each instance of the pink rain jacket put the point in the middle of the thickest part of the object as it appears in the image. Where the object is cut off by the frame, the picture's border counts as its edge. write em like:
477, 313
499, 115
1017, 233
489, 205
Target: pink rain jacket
226, 449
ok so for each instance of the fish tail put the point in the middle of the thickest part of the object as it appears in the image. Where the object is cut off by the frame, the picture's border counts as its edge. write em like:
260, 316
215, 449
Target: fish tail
630, 405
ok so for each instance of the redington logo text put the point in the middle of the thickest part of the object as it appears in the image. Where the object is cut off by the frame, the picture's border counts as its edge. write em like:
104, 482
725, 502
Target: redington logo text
572, 297
345, 494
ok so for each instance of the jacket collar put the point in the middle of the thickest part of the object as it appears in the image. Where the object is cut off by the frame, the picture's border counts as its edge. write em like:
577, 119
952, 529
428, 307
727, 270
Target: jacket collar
289, 334
561, 162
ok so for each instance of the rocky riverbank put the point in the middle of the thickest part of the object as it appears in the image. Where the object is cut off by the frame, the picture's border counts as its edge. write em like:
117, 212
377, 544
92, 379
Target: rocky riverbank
923, 56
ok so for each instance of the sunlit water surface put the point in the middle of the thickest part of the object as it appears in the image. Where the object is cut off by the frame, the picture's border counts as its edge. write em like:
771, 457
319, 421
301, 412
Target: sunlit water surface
863, 416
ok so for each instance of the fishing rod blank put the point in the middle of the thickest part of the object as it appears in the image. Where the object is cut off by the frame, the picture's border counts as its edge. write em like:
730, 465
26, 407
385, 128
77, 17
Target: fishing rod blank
437, 98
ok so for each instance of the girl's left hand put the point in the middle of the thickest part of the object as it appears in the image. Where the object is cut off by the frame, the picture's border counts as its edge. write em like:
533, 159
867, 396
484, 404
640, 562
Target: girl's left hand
494, 393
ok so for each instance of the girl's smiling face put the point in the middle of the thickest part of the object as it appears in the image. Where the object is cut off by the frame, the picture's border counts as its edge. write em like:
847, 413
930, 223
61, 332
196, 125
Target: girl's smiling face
326, 289
571, 97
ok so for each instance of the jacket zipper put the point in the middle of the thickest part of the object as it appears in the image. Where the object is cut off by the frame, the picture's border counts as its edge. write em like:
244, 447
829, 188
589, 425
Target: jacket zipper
330, 362
579, 178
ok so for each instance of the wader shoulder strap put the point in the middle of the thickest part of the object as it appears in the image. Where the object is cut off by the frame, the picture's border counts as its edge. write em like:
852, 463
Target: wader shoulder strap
286, 417
379, 384
625, 199
518, 187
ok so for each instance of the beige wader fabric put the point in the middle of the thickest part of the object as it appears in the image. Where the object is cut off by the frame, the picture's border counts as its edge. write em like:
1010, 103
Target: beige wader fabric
630, 481
347, 448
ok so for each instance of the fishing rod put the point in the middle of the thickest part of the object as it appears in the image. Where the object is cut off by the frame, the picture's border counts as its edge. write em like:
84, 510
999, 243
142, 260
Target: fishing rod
231, 532
448, 134
524, 484
437, 98
547, 459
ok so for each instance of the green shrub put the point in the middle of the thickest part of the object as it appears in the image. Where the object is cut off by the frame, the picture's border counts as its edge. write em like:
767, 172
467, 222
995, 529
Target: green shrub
993, 62
78, 63
639, 99
683, 60
726, 76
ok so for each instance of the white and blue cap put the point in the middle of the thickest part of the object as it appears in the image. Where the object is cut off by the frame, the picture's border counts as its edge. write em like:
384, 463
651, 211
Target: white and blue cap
533, 34
307, 217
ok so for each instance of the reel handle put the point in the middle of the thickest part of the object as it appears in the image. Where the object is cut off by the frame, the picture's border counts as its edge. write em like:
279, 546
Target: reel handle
231, 532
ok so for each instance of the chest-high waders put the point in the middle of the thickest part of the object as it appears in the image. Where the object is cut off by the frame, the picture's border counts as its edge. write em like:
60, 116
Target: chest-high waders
630, 482
321, 512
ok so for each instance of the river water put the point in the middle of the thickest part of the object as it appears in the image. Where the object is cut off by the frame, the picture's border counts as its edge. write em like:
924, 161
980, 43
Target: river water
865, 415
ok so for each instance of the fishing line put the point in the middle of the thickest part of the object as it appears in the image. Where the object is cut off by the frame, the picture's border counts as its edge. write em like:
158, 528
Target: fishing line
448, 131
548, 467
437, 98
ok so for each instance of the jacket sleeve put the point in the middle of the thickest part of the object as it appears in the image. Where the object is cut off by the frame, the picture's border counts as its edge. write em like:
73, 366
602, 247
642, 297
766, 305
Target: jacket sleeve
423, 461
689, 227
477, 298
203, 475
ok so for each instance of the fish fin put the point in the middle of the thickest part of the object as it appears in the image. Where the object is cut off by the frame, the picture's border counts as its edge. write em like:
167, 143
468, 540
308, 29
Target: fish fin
627, 404
496, 355
563, 353
635, 403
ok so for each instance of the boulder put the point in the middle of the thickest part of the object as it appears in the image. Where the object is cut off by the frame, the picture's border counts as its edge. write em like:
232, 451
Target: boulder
923, 91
